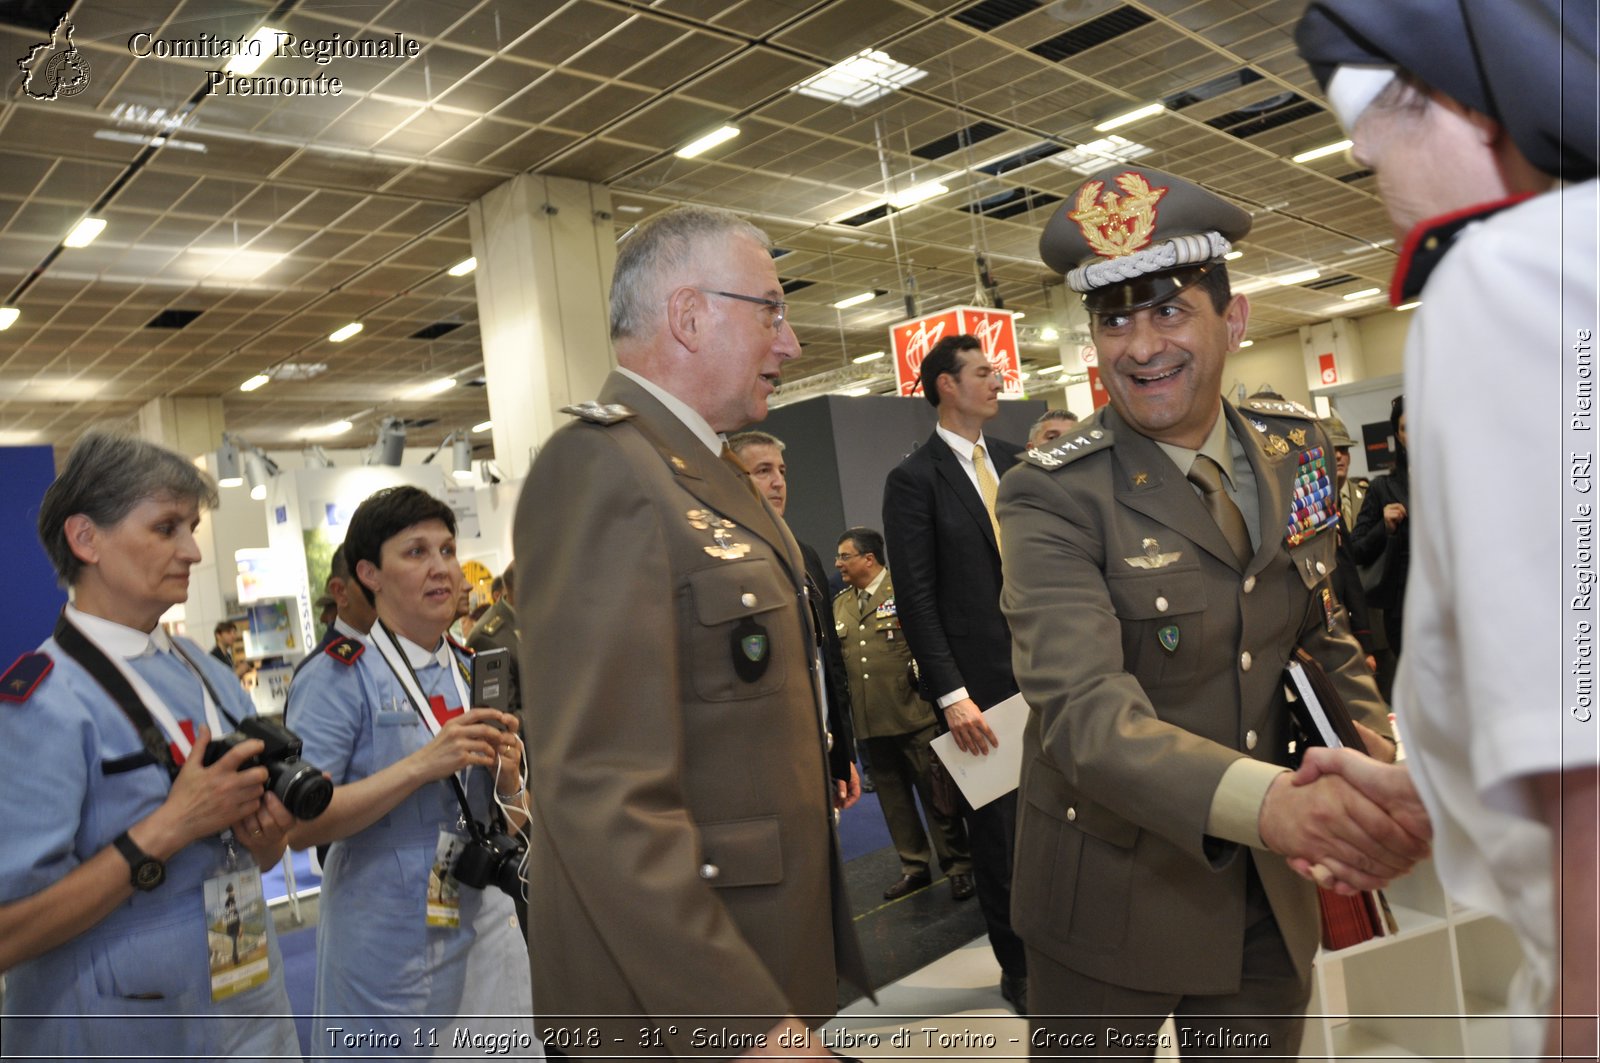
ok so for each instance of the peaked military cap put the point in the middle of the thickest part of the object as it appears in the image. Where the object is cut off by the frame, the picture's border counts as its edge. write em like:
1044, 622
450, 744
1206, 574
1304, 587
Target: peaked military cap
1132, 237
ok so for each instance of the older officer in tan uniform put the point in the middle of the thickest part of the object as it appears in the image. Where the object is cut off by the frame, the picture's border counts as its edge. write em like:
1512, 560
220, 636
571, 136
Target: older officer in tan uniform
892, 722
688, 882
1161, 564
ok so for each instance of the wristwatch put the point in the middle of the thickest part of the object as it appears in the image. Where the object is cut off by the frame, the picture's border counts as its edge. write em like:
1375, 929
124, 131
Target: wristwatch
145, 870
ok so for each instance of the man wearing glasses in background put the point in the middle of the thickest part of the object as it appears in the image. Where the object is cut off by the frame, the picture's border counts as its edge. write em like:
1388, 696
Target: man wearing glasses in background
689, 876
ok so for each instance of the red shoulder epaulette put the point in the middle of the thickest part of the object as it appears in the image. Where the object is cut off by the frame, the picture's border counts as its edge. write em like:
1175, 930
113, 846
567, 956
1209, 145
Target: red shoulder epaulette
469, 651
24, 676
345, 649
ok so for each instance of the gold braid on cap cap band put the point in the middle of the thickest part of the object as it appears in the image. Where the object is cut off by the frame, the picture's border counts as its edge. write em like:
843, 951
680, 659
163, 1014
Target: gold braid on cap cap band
1179, 251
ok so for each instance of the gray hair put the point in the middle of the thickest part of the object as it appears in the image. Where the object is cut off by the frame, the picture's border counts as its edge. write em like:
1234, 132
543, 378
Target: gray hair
1051, 415
655, 249
738, 443
106, 476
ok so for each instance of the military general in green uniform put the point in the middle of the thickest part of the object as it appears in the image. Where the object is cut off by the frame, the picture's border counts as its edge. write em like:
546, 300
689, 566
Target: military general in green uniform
892, 722
1161, 563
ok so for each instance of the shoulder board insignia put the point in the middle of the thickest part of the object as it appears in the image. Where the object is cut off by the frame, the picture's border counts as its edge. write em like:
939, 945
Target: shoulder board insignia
1280, 408
1068, 448
599, 412
451, 639
494, 625
24, 676
345, 649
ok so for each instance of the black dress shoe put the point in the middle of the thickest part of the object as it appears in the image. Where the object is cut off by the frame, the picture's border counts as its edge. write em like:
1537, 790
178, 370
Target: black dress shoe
906, 884
961, 887
1014, 987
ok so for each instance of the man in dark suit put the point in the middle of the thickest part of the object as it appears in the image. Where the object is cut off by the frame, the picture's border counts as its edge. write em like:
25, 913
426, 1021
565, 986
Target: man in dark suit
689, 874
761, 453
354, 616
939, 527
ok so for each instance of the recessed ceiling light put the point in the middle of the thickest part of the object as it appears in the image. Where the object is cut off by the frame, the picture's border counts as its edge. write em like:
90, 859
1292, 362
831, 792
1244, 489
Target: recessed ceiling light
917, 194
8, 316
1410, 306
337, 428
1246, 343
254, 382
483, 426
855, 300
1365, 293
1231, 255
1096, 154
346, 332
256, 51
1322, 152
1049, 334
230, 263
856, 392
17, 437
860, 79
1129, 117
1018, 315
701, 145
873, 357
464, 267
84, 232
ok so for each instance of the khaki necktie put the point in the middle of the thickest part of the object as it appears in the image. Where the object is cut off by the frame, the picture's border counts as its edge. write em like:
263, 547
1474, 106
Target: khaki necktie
988, 490
863, 596
1207, 475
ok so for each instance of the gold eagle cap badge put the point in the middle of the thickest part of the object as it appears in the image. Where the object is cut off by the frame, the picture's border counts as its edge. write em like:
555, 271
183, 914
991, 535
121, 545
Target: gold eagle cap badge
1115, 225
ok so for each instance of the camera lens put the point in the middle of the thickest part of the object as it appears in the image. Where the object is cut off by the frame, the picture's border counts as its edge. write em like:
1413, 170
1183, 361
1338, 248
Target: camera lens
304, 790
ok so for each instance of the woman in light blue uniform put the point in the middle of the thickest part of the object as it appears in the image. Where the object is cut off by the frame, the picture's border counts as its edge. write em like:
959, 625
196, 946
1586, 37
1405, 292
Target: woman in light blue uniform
103, 921
406, 956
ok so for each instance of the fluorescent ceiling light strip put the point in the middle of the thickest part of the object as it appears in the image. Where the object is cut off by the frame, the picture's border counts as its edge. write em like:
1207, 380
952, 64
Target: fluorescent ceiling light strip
855, 300
8, 316
1047, 370
1298, 277
83, 234
1365, 293
256, 51
1410, 306
346, 332
1322, 152
917, 194
873, 357
704, 144
483, 426
254, 382
464, 267
1149, 110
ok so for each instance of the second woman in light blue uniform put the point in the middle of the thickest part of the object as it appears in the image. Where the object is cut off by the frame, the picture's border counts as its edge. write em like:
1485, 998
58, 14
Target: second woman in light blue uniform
409, 961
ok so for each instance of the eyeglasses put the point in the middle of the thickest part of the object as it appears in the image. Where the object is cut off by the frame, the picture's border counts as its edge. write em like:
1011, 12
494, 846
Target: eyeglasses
846, 557
780, 310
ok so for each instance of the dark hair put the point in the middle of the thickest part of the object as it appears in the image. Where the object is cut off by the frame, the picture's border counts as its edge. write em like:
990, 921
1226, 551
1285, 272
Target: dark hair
105, 477
1215, 284
866, 541
1397, 410
339, 565
384, 515
945, 358
477, 613
223, 625
509, 578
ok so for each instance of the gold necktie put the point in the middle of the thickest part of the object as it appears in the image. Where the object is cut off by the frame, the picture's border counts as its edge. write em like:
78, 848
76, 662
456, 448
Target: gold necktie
988, 489
1207, 475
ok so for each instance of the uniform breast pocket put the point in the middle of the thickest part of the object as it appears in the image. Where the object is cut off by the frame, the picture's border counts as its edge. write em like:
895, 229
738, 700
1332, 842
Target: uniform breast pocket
1314, 559
1163, 623
737, 629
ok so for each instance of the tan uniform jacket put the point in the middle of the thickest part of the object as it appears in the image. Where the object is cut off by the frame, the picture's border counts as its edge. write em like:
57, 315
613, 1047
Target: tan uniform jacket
1115, 875
876, 655
685, 858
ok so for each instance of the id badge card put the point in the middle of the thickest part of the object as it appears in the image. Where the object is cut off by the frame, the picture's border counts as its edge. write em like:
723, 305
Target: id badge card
236, 928
444, 892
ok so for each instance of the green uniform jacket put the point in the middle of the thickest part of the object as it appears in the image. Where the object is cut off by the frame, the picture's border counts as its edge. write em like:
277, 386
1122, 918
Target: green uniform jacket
884, 700
1146, 679
498, 630
685, 862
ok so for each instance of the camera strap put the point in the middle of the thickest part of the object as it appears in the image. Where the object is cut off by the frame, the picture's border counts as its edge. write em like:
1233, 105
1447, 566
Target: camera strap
158, 728
389, 648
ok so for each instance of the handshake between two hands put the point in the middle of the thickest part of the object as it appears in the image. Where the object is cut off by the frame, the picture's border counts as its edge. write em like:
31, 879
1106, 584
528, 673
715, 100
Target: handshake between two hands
1345, 820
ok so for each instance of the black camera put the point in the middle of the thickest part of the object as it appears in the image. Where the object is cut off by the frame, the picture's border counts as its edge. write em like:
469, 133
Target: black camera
492, 860
303, 789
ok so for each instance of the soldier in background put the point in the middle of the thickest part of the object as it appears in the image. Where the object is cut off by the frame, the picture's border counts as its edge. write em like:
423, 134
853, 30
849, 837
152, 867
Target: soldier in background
498, 629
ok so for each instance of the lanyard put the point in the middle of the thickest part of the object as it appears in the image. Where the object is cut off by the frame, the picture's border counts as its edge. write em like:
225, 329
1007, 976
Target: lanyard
389, 649
136, 698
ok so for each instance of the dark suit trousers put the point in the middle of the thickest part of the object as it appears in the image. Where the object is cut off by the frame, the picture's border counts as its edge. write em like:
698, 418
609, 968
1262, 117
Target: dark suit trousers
992, 835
